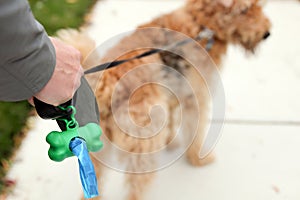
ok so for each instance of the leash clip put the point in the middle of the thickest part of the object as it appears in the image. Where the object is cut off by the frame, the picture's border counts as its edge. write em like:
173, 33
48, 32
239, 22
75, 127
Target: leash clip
206, 33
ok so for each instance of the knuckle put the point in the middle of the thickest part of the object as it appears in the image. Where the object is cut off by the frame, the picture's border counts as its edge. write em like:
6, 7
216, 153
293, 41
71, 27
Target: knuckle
78, 83
77, 53
69, 94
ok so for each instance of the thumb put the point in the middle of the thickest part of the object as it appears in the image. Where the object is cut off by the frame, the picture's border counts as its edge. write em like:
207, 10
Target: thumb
30, 100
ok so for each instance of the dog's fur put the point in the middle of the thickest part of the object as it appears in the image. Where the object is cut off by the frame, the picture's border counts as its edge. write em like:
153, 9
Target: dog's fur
233, 21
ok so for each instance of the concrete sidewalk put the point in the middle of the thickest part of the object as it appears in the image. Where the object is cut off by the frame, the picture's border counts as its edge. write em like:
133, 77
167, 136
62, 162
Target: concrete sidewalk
257, 155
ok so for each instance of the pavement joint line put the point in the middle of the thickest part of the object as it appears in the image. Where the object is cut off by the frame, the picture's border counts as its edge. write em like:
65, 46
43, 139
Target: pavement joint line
257, 122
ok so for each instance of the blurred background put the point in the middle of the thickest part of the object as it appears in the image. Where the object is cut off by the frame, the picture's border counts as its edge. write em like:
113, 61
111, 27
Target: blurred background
257, 155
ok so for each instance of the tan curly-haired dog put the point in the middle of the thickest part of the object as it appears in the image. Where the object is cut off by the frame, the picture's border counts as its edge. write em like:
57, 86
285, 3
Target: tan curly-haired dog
125, 103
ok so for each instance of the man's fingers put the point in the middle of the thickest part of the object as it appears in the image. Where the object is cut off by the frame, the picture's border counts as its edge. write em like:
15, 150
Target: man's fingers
31, 101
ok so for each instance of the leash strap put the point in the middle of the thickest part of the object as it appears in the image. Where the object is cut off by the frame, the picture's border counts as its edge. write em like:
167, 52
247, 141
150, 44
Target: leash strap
109, 65
205, 34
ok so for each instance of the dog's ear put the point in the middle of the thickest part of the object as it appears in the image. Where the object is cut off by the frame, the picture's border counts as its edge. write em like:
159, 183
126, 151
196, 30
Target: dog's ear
226, 3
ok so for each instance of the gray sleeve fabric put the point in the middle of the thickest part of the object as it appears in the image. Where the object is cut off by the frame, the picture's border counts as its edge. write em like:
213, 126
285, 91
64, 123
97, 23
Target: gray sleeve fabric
27, 56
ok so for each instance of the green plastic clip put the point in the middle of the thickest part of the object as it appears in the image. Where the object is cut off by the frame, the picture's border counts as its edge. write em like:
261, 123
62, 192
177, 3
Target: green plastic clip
60, 141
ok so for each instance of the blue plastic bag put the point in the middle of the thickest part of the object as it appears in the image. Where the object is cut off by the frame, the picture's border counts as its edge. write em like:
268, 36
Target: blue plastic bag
86, 168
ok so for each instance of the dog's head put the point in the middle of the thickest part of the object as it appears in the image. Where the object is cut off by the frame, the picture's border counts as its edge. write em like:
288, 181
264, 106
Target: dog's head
235, 21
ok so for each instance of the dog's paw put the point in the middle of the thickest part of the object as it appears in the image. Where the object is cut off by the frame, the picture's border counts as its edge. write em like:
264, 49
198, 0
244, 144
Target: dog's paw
195, 160
172, 145
133, 197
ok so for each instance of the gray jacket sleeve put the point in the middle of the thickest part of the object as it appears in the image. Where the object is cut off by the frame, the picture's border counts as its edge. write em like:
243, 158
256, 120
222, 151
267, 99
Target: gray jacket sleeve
27, 57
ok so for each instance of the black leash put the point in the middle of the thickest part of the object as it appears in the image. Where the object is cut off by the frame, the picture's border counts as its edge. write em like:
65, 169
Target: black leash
109, 65
205, 34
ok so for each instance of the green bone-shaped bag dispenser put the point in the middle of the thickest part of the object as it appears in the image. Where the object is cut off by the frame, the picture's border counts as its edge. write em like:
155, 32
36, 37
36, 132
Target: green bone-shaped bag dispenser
59, 141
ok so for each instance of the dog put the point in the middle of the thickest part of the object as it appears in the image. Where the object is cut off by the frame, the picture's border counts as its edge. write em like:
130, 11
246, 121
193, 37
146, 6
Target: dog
129, 117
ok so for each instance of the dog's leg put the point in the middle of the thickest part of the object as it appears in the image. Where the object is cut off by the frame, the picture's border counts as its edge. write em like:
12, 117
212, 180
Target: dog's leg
138, 182
198, 132
140, 129
195, 116
195, 148
141, 162
172, 142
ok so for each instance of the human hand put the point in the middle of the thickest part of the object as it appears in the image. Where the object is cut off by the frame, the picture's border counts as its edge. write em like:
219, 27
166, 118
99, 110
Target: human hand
66, 77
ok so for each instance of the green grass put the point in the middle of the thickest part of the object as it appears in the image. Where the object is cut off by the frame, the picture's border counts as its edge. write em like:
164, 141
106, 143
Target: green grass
12, 119
54, 15
57, 14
